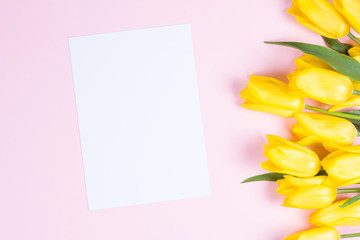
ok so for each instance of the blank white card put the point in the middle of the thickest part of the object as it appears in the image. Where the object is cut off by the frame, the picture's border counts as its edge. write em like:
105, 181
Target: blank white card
139, 116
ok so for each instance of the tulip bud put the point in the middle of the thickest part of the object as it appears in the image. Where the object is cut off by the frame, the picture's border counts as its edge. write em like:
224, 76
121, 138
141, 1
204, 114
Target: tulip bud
306, 193
343, 165
321, 17
350, 9
270, 95
328, 129
333, 215
323, 85
308, 61
321, 233
290, 158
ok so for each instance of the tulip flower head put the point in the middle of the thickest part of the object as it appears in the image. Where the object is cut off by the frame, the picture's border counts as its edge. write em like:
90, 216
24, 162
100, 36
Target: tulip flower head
306, 193
321, 84
308, 61
321, 233
270, 95
333, 215
343, 165
288, 157
350, 9
330, 130
321, 17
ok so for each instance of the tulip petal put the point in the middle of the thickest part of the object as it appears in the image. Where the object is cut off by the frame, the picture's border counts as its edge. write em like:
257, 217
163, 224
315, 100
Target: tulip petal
269, 166
353, 101
295, 181
268, 109
276, 141
308, 60
318, 233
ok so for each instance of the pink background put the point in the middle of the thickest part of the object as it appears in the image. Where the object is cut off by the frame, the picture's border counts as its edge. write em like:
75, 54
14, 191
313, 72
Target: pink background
41, 174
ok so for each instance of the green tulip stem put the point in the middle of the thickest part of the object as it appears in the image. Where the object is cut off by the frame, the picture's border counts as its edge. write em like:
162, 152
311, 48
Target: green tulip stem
348, 190
355, 39
337, 114
351, 235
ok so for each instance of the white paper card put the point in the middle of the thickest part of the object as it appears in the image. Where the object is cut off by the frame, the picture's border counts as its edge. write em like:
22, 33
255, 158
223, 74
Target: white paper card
139, 116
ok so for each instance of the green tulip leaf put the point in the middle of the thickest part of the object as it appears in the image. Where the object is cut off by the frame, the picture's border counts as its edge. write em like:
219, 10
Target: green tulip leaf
356, 112
337, 45
265, 177
350, 201
341, 63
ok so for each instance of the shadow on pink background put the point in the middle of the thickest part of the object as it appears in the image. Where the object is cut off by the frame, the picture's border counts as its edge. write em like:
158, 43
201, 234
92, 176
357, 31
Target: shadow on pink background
41, 174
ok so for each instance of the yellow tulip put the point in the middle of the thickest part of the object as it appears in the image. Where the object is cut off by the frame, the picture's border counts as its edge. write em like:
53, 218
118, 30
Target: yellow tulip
321, 17
350, 9
308, 60
323, 85
353, 101
333, 215
343, 165
306, 193
270, 95
288, 157
320, 233
329, 130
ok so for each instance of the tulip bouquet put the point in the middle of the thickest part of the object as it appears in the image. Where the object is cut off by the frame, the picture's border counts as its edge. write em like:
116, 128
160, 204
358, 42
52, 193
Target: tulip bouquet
312, 170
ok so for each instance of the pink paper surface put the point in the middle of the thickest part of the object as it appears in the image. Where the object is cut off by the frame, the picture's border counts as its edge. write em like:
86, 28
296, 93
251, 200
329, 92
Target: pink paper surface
42, 182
